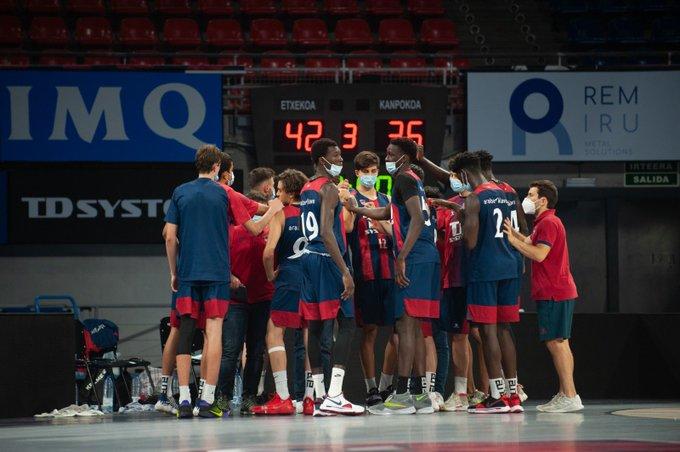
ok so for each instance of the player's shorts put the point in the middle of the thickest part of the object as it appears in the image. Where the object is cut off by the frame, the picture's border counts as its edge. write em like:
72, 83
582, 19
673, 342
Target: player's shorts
321, 288
202, 300
420, 299
453, 311
374, 302
426, 327
554, 319
493, 301
285, 307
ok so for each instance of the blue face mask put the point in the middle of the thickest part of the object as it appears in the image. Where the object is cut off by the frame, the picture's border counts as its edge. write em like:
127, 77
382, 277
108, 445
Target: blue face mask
392, 167
334, 170
368, 180
458, 187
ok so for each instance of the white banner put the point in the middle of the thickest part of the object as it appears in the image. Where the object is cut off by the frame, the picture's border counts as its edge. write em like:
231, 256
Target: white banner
575, 116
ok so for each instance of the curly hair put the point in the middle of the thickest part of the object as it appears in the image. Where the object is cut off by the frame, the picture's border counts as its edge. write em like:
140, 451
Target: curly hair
292, 181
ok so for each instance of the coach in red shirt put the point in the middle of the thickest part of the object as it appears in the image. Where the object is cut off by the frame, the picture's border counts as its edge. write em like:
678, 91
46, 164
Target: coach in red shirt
552, 287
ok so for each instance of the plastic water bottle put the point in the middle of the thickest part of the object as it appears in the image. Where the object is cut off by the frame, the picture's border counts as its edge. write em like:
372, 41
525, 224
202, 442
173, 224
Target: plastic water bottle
136, 388
107, 400
238, 389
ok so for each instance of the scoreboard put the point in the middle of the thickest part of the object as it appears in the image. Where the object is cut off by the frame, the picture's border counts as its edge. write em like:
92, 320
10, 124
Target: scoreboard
287, 119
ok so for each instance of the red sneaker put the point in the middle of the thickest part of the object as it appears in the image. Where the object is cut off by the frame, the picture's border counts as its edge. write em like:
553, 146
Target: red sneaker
275, 406
308, 406
514, 402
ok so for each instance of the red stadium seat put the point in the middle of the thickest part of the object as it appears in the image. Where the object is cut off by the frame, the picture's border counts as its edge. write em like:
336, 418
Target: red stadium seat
93, 32
231, 59
182, 33
101, 60
51, 59
129, 7
95, 7
426, 7
268, 33
258, 7
326, 66
439, 33
224, 33
215, 7
43, 6
137, 32
365, 63
139, 61
353, 32
49, 31
173, 7
341, 7
299, 7
396, 33
271, 61
14, 60
408, 62
10, 31
8, 6
190, 62
384, 7
448, 60
310, 33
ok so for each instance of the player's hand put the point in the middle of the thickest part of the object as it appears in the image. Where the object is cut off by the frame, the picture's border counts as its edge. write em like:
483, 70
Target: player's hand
421, 152
350, 202
235, 283
344, 185
174, 283
509, 230
344, 194
348, 283
275, 205
400, 277
273, 276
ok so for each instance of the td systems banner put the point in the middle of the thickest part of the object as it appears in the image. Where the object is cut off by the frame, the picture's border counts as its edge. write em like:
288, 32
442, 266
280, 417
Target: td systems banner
575, 116
90, 205
108, 116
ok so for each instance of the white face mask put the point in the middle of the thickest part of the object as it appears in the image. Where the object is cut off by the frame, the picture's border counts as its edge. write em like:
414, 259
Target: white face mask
528, 206
233, 178
392, 167
334, 170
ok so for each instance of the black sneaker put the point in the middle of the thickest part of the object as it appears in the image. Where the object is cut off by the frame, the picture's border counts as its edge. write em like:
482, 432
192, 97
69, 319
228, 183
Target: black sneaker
385, 393
373, 397
208, 410
248, 403
185, 410
490, 405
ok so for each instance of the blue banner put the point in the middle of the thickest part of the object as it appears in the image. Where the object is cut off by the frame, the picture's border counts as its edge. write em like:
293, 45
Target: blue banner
3, 207
108, 116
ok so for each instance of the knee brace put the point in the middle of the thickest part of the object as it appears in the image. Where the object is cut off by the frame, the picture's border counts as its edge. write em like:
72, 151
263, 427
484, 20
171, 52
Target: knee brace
187, 327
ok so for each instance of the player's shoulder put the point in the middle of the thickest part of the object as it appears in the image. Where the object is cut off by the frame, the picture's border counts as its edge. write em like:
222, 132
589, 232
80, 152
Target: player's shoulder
291, 210
485, 187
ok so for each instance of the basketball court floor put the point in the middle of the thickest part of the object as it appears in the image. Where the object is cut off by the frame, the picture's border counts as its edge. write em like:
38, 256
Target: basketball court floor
602, 426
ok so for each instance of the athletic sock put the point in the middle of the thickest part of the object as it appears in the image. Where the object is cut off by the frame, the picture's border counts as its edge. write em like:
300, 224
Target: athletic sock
370, 384
164, 384
319, 387
208, 393
338, 375
511, 385
431, 378
418, 389
496, 387
184, 394
309, 385
385, 381
424, 385
201, 385
260, 385
402, 384
281, 382
460, 385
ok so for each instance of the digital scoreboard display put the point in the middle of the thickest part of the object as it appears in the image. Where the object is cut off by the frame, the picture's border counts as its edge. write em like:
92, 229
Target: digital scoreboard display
288, 119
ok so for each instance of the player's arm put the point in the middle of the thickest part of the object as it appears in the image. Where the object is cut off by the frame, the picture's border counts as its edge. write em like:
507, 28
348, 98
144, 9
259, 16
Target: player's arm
449, 205
471, 224
429, 167
275, 230
171, 249
374, 213
256, 227
330, 199
521, 217
262, 209
347, 216
536, 253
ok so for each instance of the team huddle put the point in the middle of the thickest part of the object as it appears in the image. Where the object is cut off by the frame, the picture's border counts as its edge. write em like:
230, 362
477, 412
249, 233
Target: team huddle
321, 257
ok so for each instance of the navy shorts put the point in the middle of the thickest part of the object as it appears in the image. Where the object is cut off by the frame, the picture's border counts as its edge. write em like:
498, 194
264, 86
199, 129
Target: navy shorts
374, 302
202, 300
554, 319
493, 301
420, 299
321, 288
285, 307
453, 311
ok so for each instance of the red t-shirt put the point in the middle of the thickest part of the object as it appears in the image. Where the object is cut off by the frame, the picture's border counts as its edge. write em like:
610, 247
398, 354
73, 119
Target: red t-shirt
246, 251
450, 244
241, 208
551, 279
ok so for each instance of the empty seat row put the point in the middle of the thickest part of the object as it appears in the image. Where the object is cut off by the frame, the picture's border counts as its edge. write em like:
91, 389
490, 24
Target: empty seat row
226, 7
140, 32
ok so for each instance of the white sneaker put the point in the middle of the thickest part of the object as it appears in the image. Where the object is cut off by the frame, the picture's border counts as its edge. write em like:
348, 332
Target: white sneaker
166, 405
437, 401
340, 405
552, 402
523, 397
298, 406
565, 405
456, 402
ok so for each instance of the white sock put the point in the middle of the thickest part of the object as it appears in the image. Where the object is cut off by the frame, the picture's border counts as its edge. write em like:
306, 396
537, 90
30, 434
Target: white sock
281, 382
184, 394
431, 378
511, 385
460, 385
164, 385
201, 385
309, 385
370, 384
337, 376
496, 387
423, 384
319, 387
260, 386
208, 393
385, 381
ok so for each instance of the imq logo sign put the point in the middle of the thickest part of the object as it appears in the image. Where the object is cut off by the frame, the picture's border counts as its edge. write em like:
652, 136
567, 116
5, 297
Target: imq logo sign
107, 116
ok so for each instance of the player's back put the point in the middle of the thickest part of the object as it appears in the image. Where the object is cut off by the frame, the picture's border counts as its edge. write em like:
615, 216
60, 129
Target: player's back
453, 251
371, 247
492, 258
310, 212
292, 241
511, 196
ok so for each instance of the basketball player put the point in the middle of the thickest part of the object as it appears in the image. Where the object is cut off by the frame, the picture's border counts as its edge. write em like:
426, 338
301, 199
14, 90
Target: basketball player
326, 277
261, 180
416, 270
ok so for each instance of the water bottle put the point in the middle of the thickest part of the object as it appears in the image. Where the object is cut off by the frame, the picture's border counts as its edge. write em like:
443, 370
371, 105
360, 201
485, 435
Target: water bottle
238, 389
107, 400
136, 388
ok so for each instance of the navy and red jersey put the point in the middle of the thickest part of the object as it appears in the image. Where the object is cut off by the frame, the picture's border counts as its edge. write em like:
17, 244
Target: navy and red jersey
246, 263
371, 246
292, 241
492, 258
407, 185
452, 251
310, 209
511, 195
